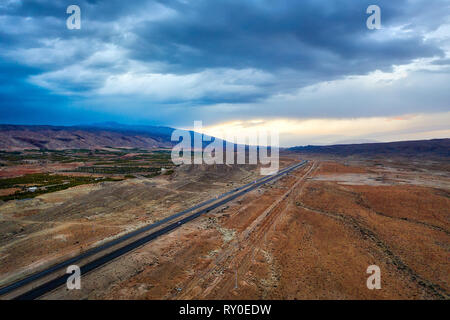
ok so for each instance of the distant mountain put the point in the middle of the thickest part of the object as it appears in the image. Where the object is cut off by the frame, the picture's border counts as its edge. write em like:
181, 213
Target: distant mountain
111, 134
355, 141
435, 147
156, 131
19, 137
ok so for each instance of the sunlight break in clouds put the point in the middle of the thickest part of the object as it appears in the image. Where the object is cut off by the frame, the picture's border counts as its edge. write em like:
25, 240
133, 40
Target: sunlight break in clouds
329, 131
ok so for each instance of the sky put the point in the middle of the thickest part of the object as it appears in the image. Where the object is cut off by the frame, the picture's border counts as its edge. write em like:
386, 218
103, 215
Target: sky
310, 70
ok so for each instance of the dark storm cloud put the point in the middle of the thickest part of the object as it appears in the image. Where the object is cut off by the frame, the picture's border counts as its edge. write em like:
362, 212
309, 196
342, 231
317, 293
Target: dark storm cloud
291, 44
328, 38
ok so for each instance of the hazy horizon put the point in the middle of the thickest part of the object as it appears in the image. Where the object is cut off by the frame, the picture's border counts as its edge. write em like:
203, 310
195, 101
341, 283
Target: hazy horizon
337, 142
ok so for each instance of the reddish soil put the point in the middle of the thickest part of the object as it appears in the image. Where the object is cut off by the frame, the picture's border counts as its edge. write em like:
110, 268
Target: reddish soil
296, 239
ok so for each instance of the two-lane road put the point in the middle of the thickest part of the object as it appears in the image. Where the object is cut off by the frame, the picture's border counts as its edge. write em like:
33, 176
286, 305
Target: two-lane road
206, 206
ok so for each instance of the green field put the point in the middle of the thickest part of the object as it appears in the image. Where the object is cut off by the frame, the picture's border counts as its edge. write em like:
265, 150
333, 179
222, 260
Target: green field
45, 183
107, 165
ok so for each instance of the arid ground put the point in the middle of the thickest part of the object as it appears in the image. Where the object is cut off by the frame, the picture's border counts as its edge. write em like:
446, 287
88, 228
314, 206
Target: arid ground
40, 231
309, 235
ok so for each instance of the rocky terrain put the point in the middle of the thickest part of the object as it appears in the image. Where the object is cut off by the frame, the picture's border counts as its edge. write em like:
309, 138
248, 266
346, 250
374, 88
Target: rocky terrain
20, 137
40, 231
310, 235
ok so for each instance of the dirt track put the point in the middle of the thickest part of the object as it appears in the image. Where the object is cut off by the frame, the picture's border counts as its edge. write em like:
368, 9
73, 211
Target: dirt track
300, 238
38, 232
310, 235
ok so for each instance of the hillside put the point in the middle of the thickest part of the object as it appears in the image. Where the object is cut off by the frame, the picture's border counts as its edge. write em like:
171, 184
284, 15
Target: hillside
19, 137
436, 147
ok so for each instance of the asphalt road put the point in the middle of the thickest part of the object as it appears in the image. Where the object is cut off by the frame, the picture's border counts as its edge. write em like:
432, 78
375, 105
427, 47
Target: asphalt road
55, 283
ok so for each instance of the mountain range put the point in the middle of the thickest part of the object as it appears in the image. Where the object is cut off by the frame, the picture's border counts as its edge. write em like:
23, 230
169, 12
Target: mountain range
19, 137
111, 134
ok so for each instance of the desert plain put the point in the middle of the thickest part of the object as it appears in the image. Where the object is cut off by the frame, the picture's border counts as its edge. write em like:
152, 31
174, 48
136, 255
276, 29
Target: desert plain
310, 235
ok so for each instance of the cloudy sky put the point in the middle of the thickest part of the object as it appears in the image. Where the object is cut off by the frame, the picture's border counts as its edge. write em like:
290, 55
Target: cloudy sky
310, 69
